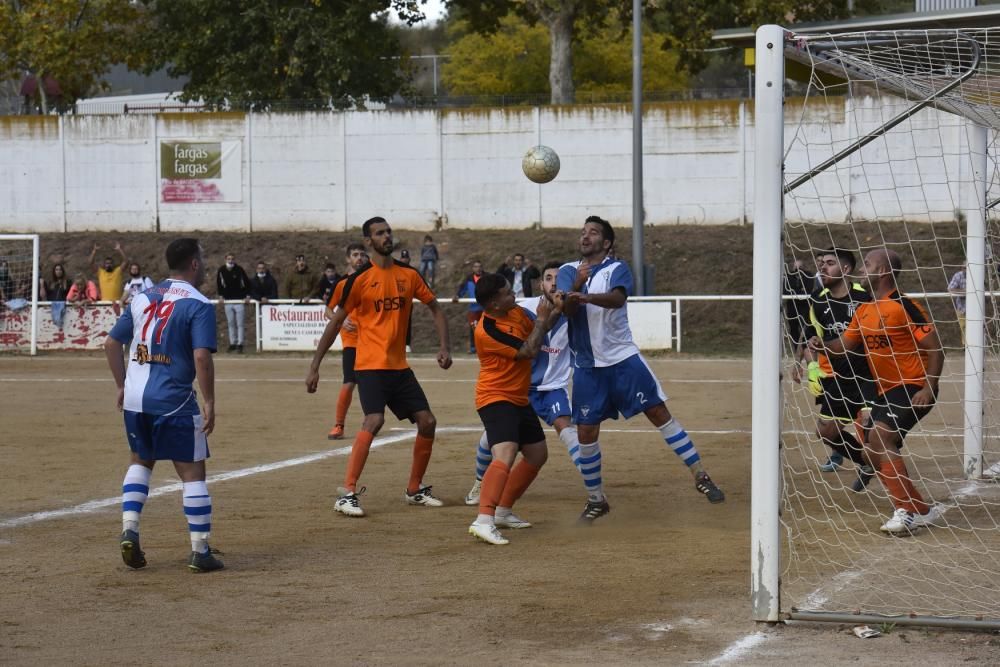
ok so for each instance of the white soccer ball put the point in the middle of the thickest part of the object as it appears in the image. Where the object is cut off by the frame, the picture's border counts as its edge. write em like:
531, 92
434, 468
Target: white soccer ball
540, 164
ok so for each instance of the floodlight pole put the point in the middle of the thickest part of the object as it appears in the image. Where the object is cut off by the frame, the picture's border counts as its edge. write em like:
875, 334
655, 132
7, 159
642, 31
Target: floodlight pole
638, 260
768, 220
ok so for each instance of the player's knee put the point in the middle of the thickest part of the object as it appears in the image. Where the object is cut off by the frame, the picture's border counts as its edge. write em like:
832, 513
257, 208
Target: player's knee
373, 423
426, 424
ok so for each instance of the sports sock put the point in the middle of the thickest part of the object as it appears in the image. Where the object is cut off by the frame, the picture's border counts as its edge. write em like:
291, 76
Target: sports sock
572, 441
422, 447
520, 479
590, 468
198, 510
679, 441
896, 480
494, 482
135, 490
483, 456
356, 461
343, 404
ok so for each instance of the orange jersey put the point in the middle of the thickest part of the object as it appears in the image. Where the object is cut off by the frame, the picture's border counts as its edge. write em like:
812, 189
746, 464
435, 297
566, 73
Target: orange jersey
347, 338
379, 301
890, 329
501, 378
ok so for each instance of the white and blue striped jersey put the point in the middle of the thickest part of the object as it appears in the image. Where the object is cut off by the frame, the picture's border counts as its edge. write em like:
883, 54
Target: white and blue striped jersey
599, 337
163, 326
551, 367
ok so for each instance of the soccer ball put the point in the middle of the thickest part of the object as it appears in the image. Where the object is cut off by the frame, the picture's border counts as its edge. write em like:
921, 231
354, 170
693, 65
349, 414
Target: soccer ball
540, 164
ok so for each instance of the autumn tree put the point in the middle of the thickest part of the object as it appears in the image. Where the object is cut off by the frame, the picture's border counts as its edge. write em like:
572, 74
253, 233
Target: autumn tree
563, 19
70, 41
253, 52
514, 60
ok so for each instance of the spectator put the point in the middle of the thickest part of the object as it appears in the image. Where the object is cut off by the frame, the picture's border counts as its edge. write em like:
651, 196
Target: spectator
467, 289
404, 256
327, 282
109, 276
136, 284
6, 282
82, 292
956, 286
55, 290
428, 260
519, 273
301, 282
263, 286
233, 285
797, 281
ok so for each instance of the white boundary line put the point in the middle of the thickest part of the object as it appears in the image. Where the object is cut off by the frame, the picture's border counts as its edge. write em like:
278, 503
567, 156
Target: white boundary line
94, 505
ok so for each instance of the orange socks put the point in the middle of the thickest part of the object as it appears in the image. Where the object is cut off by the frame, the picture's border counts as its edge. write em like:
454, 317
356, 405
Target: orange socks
896, 480
356, 461
421, 457
343, 404
520, 479
494, 482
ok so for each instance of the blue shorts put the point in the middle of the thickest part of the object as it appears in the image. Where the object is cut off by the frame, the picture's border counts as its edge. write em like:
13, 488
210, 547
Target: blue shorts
628, 387
166, 438
550, 405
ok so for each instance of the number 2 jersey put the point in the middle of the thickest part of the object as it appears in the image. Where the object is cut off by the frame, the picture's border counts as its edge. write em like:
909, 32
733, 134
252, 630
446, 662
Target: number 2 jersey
163, 326
829, 317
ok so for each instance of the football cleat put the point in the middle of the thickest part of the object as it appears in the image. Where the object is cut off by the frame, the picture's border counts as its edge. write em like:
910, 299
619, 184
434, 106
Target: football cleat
131, 552
487, 533
422, 496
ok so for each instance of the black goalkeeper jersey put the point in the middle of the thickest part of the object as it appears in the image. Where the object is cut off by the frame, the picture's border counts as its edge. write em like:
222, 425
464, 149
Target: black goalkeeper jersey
829, 317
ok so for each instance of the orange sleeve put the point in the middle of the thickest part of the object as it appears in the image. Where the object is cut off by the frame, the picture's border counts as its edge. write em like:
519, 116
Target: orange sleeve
491, 340
422, 291
852, 334
338, 293
349, 294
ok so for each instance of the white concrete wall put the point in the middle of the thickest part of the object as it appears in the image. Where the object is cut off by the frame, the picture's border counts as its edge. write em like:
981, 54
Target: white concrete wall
334, 170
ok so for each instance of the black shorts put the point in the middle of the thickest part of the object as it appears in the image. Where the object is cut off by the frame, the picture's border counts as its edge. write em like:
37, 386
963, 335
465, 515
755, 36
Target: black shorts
348, 358
843, 399
894, 409
506, 422
399, 390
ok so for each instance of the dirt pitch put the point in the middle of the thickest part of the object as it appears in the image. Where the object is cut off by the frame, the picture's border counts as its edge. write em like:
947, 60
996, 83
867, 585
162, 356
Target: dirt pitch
663, 580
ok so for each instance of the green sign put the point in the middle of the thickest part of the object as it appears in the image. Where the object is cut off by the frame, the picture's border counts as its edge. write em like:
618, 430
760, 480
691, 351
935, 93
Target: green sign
186, 160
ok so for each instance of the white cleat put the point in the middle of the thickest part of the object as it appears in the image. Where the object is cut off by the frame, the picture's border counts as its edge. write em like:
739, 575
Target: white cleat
423, 496
487, 533
472, 497
349, 503
901, 522
934, 514
511, 521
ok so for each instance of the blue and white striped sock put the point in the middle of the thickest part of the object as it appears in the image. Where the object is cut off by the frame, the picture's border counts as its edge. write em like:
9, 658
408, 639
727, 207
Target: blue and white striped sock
590, 468
484, 456
569, 437
198, 510
135, 490
679, 441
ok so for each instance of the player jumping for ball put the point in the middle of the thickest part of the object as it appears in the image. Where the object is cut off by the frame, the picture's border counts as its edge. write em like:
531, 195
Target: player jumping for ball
170, 331
379, 298
508, 336
550, 373
610, 375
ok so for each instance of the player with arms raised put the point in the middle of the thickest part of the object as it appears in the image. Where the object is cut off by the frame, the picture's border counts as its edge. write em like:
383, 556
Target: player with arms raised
379, 299
170, 331
610, 375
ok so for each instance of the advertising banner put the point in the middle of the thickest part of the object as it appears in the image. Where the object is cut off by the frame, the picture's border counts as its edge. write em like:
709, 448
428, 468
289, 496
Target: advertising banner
200, 171
84, 327
292, 327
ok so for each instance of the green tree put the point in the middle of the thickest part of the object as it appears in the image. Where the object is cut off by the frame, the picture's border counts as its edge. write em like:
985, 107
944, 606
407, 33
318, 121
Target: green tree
514, 60
252, 52
563, 19
71, 41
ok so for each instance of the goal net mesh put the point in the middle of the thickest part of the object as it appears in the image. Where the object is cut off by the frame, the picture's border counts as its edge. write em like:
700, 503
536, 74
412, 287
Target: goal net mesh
16, 266
910, 190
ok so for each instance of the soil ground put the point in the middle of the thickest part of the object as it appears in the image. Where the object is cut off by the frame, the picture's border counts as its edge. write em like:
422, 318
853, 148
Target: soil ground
664, 579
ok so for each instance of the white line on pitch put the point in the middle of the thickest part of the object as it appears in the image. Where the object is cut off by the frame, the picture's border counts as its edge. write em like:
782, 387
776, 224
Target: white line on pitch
739, 648
94, 505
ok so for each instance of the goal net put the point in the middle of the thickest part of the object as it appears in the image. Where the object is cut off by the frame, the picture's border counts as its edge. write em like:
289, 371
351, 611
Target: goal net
19, 273
889, 142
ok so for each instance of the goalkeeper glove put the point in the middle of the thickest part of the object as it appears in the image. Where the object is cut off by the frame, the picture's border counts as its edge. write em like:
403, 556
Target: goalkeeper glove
815, 376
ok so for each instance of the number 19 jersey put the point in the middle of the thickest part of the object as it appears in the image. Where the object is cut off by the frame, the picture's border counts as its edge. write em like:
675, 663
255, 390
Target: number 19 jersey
163, 326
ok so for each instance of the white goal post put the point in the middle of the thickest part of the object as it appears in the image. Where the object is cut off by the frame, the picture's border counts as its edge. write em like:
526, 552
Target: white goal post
888, 142
19, 263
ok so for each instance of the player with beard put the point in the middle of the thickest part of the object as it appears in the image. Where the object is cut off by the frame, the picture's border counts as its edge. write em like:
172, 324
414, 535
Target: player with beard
379, 298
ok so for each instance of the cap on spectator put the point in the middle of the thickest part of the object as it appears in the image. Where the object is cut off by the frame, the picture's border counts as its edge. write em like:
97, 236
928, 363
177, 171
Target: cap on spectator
404, 253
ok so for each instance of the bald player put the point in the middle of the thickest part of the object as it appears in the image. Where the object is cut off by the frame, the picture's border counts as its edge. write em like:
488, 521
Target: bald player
905, 358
